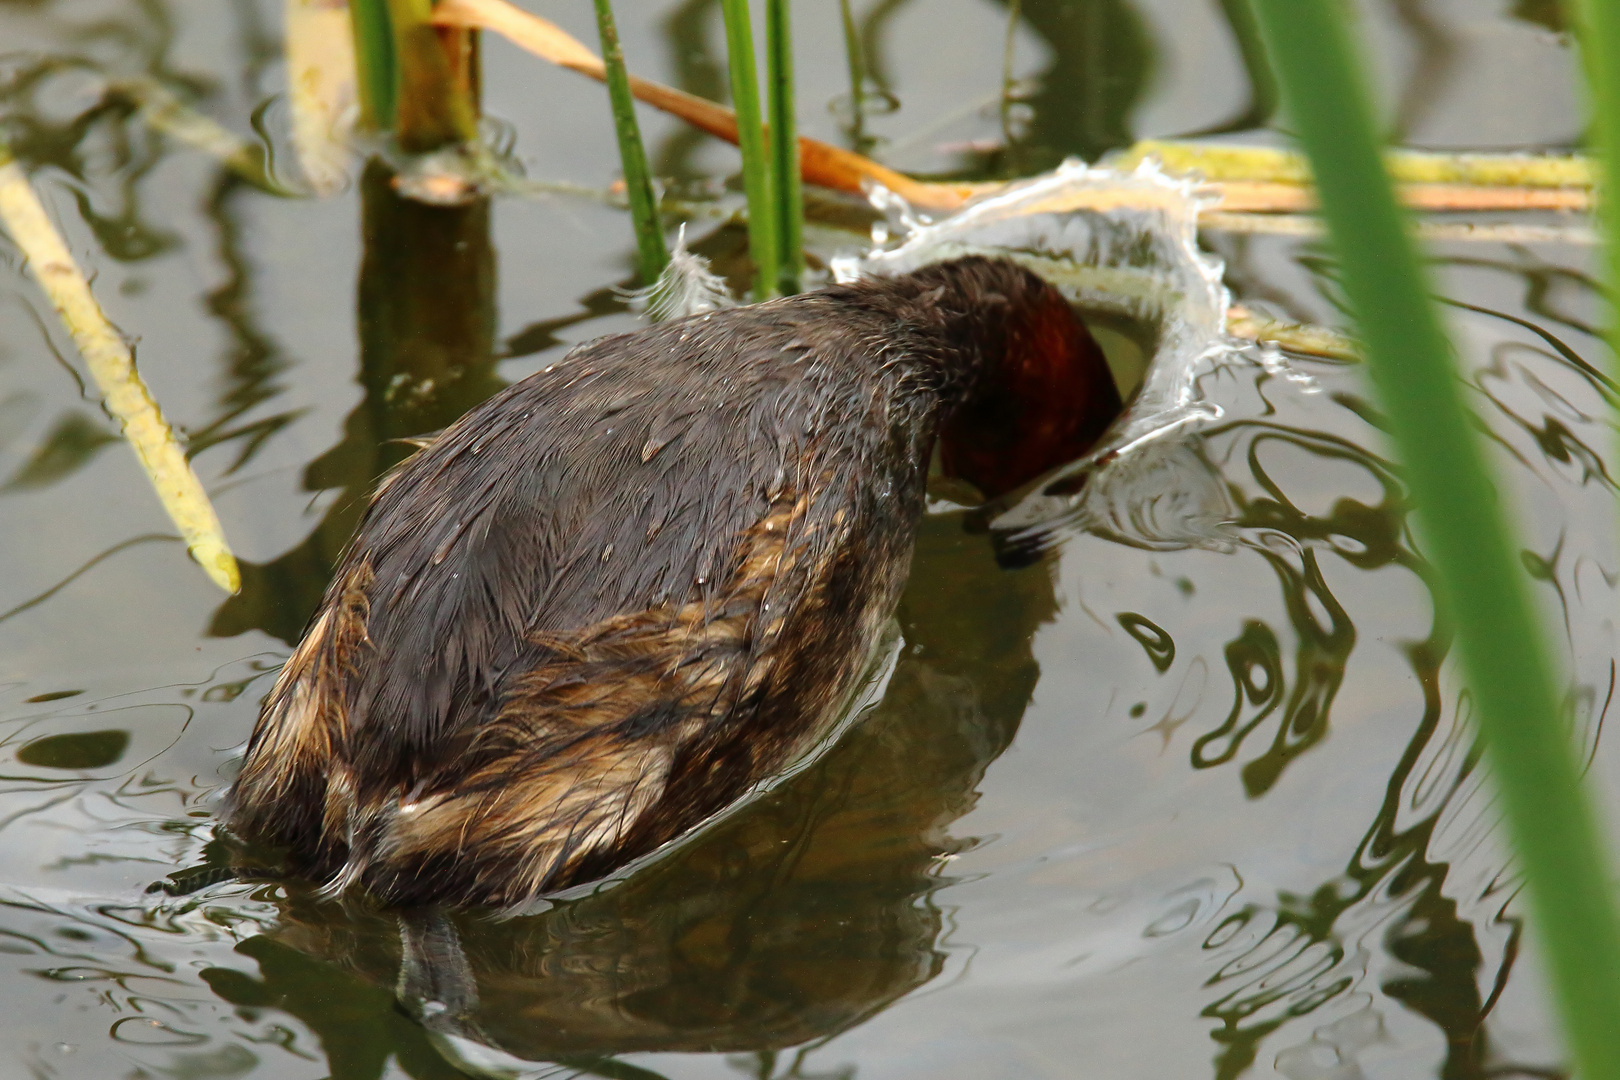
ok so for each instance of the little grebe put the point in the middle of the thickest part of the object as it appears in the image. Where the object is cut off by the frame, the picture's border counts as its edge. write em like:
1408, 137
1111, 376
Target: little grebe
611, 598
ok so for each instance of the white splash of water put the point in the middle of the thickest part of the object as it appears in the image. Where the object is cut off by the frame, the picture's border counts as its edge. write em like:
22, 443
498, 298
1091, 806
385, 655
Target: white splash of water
1125, 243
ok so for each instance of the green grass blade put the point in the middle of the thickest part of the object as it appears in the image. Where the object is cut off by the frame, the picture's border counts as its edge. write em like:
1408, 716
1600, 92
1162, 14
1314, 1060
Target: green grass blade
787, 194
632, 154
762, 239
1460, 514
374, 59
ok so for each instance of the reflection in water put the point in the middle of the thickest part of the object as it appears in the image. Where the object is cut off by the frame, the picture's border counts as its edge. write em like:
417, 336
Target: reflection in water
427, 355
1102, 61
692, 58
1287, 538
1436, 51
789, 922
1264, 96
126, 947
254, 359
1287, 962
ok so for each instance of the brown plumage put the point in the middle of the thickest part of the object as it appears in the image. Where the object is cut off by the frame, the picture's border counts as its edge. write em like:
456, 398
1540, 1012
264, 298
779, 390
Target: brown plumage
614, 596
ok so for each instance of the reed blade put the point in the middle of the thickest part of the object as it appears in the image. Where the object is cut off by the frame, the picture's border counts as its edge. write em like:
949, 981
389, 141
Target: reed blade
787, 192
632, 152
1480, 582
763, 245
374, 62
112, 366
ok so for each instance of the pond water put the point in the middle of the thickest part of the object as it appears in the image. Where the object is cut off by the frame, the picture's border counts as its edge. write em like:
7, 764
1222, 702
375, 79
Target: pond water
1172, 783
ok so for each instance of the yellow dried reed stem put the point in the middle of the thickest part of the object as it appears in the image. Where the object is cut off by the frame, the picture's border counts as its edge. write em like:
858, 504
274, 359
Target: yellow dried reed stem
112, 365
1223, 161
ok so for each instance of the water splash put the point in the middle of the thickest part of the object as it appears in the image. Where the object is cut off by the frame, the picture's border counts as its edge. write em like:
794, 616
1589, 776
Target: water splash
1124, 244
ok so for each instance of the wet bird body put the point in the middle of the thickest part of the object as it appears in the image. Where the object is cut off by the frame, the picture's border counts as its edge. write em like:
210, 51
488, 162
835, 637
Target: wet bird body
607, 601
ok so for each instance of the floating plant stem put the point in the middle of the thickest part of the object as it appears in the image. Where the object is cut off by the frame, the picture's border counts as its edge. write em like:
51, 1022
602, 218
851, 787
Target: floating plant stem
633, 155
756, 164
787, 191
1491, 232
1295, 337
112, 365
374, 62
1460, 515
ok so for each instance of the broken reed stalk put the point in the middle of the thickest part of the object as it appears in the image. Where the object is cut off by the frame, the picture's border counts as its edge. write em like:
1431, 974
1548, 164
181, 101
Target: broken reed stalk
412, 82
787, 192
763, 243
1479, 581
632, 154
112, 365
433, 104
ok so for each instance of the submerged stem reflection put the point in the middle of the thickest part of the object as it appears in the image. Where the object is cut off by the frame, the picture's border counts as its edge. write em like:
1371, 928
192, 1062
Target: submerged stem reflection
427, 355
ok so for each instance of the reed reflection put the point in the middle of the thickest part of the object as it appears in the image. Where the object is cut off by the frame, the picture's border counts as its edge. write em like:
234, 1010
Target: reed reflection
790, 921
1278, 964
427, 355
1102, 58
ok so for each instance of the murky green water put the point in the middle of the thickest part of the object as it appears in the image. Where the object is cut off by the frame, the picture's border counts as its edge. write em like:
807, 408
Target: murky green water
1179, 786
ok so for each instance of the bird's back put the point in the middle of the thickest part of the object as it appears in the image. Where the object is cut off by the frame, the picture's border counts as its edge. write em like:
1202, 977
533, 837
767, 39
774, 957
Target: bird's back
600, 606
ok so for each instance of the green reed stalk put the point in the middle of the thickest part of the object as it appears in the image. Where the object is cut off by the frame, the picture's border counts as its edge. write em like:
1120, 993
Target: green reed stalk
787, 191
1461, 516
763, 244
374, 59
632, 154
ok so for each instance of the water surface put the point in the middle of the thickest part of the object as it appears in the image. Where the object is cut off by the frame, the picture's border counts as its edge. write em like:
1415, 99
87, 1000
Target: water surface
1180, 789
